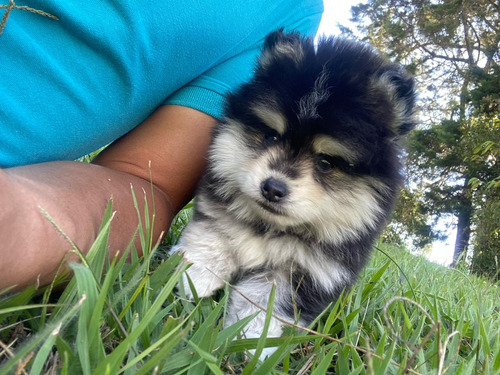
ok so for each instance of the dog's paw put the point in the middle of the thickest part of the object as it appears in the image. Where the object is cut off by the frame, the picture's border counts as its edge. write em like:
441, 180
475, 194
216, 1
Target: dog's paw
210, 265
204, 281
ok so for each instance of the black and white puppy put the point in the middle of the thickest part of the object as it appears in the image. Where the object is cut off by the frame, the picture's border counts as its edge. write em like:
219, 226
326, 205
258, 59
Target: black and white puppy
302, 175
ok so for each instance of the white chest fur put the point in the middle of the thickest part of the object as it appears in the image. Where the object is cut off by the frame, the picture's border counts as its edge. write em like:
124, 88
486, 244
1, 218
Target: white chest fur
279, 250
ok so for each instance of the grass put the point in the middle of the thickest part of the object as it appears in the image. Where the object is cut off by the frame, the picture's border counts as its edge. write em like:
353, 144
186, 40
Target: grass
405, 315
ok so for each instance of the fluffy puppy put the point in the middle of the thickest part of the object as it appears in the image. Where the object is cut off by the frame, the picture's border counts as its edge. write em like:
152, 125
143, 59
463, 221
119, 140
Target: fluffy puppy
302, 175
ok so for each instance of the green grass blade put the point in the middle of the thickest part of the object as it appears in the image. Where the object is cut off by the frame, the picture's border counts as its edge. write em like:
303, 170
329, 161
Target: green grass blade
179, 360
381, 365
134, 296
162, 347
275, 358
98, 252
326, 362
48, 330
205, 336
44, 352
496, 360
113, 361
209, 359
86, 286
237, 346
342, 363
14, 303
10, 310
172, 336
262, 341
65, 351
229, 333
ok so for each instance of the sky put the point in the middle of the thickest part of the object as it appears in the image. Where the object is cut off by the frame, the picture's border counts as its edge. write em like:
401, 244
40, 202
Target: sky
337, 11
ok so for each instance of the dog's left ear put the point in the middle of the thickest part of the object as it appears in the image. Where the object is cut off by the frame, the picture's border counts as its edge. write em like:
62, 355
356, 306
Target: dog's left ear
401, 90
280, 46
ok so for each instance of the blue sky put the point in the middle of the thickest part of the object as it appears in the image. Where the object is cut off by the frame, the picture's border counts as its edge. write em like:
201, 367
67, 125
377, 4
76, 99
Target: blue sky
335, 11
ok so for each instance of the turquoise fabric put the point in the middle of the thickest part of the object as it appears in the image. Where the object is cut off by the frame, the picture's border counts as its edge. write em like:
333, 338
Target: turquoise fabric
72, 85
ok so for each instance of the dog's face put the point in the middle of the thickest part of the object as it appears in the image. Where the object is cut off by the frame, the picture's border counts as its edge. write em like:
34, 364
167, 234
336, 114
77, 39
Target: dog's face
311, 142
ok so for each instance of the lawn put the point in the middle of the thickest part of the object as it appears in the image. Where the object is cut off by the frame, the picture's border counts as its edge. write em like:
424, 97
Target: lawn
405, 315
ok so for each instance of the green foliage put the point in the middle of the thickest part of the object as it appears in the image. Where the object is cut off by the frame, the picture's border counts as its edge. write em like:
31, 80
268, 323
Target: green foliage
486, 260
416, 217
118, 317
485, 96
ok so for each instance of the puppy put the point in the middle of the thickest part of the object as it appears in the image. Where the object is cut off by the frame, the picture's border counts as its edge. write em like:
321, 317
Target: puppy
302, 175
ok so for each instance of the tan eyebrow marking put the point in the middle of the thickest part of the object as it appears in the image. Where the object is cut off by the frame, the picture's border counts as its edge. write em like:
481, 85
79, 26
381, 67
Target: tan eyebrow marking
272, 118
324, 144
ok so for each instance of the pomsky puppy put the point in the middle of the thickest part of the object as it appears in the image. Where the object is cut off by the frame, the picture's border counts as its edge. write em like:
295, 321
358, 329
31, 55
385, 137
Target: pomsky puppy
302, 176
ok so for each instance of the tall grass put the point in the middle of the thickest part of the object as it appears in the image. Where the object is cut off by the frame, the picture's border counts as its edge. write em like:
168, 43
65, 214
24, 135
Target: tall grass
405, 315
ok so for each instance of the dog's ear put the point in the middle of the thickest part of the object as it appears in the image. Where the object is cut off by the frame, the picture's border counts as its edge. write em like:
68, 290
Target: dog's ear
280, 46
401, 90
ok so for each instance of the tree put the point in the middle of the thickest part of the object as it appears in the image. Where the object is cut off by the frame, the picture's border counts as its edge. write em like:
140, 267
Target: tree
452, 48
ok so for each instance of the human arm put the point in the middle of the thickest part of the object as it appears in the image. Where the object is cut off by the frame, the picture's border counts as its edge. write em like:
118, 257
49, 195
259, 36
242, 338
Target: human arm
173, 140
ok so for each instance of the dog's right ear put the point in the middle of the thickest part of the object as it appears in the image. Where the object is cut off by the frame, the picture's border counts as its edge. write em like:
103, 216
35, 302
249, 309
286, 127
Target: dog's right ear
399, 87
404, 94
280, 46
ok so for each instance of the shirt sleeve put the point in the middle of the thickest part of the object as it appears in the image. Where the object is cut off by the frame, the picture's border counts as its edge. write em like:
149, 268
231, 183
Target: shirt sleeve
207, 92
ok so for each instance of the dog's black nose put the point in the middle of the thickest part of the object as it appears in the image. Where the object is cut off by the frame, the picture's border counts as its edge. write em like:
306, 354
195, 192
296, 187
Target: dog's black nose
273, 190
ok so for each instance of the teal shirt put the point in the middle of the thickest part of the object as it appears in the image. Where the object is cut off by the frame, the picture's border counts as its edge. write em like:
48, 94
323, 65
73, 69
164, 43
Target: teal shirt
72, 85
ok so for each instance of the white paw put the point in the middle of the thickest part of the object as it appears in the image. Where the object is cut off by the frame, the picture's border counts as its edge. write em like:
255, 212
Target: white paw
205, 282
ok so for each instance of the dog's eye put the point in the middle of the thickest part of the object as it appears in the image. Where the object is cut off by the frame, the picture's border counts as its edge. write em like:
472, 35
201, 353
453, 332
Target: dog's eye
326, 163
271, 137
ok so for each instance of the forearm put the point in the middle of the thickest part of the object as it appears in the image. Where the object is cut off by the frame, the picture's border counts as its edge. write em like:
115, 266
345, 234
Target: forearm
75, 195
169, 147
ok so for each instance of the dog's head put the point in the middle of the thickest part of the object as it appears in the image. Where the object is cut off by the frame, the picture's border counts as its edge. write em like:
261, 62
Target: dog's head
312, 140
